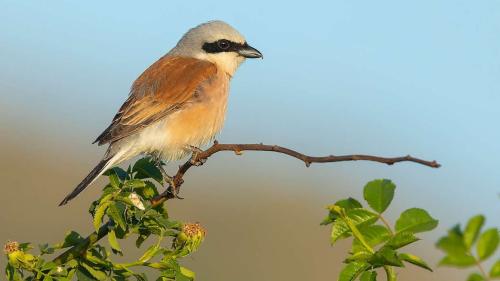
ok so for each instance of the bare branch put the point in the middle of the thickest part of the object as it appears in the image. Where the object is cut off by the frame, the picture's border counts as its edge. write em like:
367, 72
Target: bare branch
308, 160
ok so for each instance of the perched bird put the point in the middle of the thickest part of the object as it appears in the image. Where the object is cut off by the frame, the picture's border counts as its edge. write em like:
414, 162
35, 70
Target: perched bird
179, 103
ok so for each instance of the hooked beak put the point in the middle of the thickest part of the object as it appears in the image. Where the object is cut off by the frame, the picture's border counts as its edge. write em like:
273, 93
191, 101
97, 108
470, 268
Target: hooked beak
248, 51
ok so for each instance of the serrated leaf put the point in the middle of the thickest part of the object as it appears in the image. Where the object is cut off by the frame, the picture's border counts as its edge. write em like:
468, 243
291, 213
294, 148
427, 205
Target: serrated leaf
135, 183
349, 203
145, 168
460, 261
115, 212
71, 239
340, 230
379, 194
113, 242
352, 270
359, 256
97, 274
472, 230
99, 214
119, 172
373, 235
414, 260
368, 276
358, 217
495, 270
475, 277
487, 243
401, 239
415, 220
386, 256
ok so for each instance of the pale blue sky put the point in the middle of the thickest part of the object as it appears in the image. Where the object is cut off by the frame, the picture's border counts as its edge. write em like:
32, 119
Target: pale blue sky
374, 77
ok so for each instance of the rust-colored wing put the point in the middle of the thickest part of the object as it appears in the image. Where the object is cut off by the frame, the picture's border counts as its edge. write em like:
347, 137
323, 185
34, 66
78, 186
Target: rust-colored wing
160, 90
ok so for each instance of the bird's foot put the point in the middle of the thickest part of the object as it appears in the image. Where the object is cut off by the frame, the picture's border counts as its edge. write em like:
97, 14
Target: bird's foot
194, 157
172, 186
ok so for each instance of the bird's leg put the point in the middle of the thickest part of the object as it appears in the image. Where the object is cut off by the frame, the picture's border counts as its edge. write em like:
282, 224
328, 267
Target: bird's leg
166, 178
194, 157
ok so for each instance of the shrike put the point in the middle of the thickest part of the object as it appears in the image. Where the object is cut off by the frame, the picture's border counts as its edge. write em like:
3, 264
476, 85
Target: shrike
178, 103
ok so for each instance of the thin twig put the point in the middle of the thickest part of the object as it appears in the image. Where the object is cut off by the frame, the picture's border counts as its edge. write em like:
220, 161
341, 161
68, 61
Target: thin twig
308, 160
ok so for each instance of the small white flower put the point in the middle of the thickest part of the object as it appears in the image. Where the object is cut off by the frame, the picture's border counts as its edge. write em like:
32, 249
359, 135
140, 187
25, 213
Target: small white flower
136, 200
59, 269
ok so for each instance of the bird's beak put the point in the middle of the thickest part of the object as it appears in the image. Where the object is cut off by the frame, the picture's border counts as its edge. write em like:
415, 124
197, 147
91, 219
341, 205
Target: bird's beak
248, 51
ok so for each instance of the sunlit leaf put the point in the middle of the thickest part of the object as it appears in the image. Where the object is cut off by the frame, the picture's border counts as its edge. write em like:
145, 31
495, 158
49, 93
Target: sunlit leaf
415, 220
475, 277
373, 235
495, 270
401, 239
368, 276
472, 230
414, 260
461, 261
379, 194
113, 242
487, 243
352, 270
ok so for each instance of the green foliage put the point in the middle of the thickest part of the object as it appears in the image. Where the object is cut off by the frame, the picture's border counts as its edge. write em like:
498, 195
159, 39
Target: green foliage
374, 243
124, 210
458, 245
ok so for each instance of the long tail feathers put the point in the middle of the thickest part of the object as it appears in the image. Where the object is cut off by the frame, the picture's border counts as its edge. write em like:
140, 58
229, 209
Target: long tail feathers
96, 172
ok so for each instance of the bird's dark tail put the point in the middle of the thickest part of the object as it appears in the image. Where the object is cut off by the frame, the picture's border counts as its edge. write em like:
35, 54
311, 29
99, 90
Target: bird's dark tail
96, 172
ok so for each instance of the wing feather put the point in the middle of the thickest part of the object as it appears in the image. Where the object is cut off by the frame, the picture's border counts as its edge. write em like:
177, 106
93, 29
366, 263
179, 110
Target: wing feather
161, 89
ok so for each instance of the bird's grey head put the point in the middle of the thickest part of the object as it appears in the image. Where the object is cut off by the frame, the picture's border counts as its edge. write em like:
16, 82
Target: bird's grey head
217, 42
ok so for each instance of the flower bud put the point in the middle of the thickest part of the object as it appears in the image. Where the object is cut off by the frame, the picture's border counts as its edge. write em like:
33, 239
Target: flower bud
190, 238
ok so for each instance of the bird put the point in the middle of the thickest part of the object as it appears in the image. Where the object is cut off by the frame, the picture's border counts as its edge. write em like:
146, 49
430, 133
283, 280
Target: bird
177, 104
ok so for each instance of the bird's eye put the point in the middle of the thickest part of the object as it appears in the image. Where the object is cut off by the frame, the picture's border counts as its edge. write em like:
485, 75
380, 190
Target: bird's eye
223, 44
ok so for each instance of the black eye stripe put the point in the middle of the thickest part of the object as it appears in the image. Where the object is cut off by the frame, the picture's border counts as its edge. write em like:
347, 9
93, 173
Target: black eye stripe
222, 45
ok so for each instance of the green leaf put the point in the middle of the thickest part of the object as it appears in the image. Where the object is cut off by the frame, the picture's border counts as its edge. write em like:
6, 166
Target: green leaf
115, 212
121, 174
358, 217
340, 230
368, 276
495, 270
71, 239
45, 249
83, 275
97, 274
401, 239
352, 270
415, 220
363, 255
113, 242
349, 203
453, 243
379, 194
386, 256
472, 230
373, 234
150, 253
487, 243
99, 214
145, 168
460, 261
475, 277
414, 260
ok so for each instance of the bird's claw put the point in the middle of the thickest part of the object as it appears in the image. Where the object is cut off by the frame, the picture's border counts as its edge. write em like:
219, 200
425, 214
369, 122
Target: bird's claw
194, 157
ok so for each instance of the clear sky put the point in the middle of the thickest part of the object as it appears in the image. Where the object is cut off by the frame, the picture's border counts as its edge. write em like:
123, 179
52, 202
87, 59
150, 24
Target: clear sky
374, 77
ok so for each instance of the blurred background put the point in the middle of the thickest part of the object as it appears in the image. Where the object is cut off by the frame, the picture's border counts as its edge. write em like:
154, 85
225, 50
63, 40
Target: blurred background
339, 77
